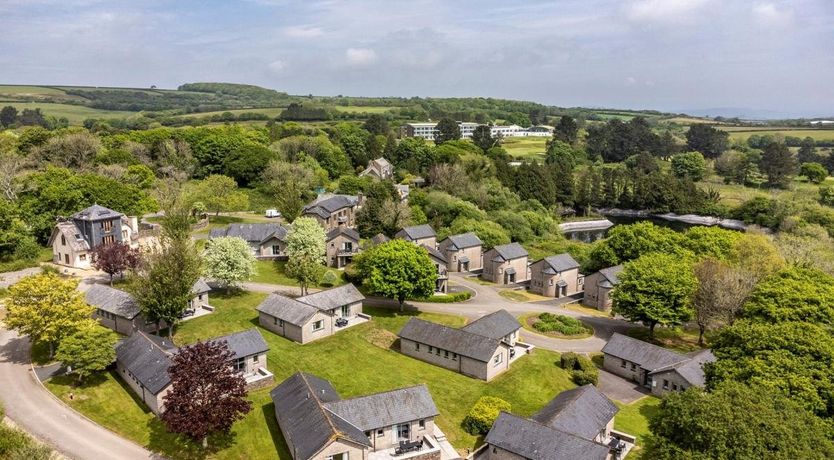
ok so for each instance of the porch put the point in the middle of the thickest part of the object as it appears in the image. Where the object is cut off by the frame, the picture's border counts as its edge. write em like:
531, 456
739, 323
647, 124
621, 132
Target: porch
343, 322
520, 349
262, 378
196, 312
435, 446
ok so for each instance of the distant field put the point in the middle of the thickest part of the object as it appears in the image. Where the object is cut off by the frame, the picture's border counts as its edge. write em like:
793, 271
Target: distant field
29, 90
816, 134
689, 120
360, 109
76, 114
734, 194
270, 111
525, 147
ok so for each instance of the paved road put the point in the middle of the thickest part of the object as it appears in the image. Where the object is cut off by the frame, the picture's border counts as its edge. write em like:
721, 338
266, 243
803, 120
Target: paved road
33, 408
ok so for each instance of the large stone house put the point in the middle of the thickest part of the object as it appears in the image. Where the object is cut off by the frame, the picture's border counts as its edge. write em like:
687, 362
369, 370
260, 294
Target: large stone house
441, 284
482, 349
332, 211
656, 368
556, 276
463, 252
576, 425
313, 316
342, 245
318, 424
267, 240
379, 168
599, 285
142, 361
419, 235
506, 264
73, 240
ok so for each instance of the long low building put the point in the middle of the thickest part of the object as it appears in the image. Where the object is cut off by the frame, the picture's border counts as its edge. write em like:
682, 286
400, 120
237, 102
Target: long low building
428, 130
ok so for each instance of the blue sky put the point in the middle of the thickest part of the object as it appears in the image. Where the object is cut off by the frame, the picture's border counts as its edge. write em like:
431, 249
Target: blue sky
663, 54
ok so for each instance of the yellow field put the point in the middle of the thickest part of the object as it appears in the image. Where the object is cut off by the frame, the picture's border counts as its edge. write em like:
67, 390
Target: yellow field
690, 121
76, 114
739, 133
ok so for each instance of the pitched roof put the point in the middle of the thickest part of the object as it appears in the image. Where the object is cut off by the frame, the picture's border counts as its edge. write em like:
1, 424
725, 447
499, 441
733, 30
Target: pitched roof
692, 370
348, 232
252, 233
417, 232
333, 297
307, 426
464, 343
200, 286
435, 253
495, 325
463, 241
379, 238
246, 343
509, 252
646, 355
147, 360
299, 311
611, 274
583, 411
386, 409
112, 300
376, 165
534, 441
71, 234
325, 205
96, 212
559, 263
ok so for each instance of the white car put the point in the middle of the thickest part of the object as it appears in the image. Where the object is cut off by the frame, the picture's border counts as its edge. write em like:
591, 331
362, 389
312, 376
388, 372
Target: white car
272, 213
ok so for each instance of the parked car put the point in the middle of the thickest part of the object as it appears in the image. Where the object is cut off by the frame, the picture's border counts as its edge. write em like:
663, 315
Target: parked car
272, 213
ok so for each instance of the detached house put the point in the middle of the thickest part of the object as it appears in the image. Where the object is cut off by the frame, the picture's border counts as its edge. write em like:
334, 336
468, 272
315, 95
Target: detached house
556, 276
379, 168
318, 424
73, 240
506, 264
463, 252
313, 316
441, 284
342, 245
267, 240
419, 235
482, 349
656, 368
598, 287
142, 361
332, 211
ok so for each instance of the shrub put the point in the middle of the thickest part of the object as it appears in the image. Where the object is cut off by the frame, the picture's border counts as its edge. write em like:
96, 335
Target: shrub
568, 360
446, 298
564, 325
329, 279
582, 369
483, 414
585, 377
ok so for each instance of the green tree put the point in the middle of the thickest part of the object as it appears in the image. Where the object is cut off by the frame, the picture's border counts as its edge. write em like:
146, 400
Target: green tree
793, 294
480, 418
689, 165
656, 289
729, 422
566, 130
228, 260
397, 269
711, 241
88, 350
447, 130
220, 193
290, 185
47, 308
826, 195
482, 137
305, 252
376, 124
708, 140
778, 164
245, 163
8, 116
490, 233
412, 154
628, 242
815, 172
808, 151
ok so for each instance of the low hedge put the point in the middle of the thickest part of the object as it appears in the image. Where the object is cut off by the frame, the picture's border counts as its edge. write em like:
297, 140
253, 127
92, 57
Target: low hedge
446, 298
480, 418
565, 325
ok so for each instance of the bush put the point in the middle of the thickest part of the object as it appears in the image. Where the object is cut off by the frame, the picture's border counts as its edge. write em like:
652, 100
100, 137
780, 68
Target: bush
582, 369
568, 360
564, 325
352, 274
329, 279
585, 377
479, 420
446, 298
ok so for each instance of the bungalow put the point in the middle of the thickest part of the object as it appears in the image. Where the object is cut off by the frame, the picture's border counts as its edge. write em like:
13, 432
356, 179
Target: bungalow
506, 264
313, 316
419, 235
73, 240
656, 368
482, 349
556, 276
318, 425
267, 240
332, 211
441, 284
598, 287
142, 361
379, 168
342, 245
463, 252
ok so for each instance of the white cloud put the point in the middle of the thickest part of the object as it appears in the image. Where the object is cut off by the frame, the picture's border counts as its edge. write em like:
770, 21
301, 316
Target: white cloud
360, 56
664, 10
766, 14
303, 32
277, 66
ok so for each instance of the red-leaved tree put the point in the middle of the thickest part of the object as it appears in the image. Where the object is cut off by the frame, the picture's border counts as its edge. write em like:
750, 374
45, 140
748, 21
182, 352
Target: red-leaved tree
115, 258
207, 395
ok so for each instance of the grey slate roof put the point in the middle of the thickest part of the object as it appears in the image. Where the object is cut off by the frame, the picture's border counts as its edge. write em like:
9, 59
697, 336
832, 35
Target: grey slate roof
386, 409
692, 370
325, 205
435, 253
509, 252
416, 232
307, 426
333, 298
464, 343
299, 311
534, 441
69, 230
646, 355
147, 359
611, 274
582, 411
246, 343
560, 263
348, 232
251, 233
463, 241
96, 212
379, 238
112, 300
495, 325
200, 287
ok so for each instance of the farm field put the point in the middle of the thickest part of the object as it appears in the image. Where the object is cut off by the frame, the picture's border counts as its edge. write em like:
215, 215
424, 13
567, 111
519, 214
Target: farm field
525, 147
738, 133
270, 111
76, 114
361, 109
735, 194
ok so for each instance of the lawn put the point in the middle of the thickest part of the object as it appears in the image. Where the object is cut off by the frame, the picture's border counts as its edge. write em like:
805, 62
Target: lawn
525, 147
272, 272
520, 295
76, 114
528, 320
633, 418
357, 361
591, 311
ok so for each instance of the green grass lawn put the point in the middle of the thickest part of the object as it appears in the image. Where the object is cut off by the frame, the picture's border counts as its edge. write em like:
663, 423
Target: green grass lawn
525, 147
633, 418
272, 272
735, 194
357, 361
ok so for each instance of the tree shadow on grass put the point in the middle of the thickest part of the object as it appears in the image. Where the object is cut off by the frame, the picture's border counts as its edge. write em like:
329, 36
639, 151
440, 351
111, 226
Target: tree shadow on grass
177, 446
268, 411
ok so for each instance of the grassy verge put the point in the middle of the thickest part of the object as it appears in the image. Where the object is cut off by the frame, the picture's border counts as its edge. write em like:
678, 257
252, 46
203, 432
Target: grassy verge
17, 444
634, 418
272, 272
519, 295
529, 320
358, 361
590, 311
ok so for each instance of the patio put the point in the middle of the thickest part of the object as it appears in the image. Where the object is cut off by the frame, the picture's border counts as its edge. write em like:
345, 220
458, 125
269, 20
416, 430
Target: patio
360, 318
520, 349
202, 310
434, 446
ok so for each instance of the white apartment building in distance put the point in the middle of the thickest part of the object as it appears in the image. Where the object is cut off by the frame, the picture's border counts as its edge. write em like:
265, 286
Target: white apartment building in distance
427, 130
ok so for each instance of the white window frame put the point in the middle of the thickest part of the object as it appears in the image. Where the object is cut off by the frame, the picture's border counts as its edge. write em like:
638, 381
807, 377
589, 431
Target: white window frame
321, 325
498, 359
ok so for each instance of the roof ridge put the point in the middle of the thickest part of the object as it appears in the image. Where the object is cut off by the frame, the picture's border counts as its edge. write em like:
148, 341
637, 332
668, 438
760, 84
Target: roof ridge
550, 427
417, 385
154, 344
319, 404
497, 341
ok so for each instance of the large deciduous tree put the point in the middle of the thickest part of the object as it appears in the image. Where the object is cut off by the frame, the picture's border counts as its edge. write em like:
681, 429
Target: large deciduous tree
689, 165
397, 269
656, 289
482, 137
447, 130
566, 130
708, 140
115, 258
305, 252
220, 193
207, 394
721, 293
88, 350
290, 185
228, 260
778, 164
793, 294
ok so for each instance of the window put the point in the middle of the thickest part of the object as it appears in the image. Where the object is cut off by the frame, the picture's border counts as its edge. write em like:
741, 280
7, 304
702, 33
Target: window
633, 367
417, 346
422, 424
438, 351
454, 356
675, 386
431, 348
550, 282
107, 225
256, 359
498, 359
665, 384
318, 325
368, 434
623, 364
380, 432
446, 354
276, 249
240, 364
63, 241
109, 239
82, 257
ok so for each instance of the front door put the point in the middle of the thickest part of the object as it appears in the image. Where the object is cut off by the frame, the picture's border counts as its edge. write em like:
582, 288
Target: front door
345, 311
403, 432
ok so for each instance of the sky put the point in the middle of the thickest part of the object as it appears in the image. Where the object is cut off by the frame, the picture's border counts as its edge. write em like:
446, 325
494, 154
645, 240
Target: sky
672, 55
